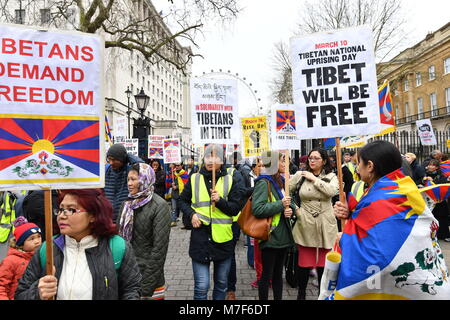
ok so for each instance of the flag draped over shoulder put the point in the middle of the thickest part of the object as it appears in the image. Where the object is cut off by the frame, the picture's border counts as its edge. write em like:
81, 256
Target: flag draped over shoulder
389, 246
182, 177
445, 168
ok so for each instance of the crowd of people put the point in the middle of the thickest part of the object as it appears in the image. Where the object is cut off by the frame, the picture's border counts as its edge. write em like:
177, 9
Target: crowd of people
112, 243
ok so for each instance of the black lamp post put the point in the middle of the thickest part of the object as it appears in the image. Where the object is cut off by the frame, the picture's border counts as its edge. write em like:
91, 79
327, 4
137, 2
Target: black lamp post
128, 93
141, 126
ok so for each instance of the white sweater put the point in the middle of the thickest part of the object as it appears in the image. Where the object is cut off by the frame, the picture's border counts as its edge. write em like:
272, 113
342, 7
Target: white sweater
75, 282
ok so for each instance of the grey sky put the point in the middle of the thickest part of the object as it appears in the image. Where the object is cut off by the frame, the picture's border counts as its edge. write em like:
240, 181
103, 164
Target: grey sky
246, 46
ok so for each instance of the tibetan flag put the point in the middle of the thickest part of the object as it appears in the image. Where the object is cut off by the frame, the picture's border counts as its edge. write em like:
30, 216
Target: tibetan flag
49, 150
387, 116
286, 122
445, 168
329, 143
437, 192
108, 131
389, 246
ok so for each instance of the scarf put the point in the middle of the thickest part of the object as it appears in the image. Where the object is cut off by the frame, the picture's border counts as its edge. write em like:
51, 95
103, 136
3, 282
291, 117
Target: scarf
274, 183
144, 196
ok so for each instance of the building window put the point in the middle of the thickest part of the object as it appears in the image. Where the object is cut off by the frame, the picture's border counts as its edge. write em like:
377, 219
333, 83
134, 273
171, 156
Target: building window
406, 85
132, 72
45, 16
406, 109
20, 16
447, 99
431, 73
137, 76
447, 65
433, 104
420, 108
418, 79
397, 113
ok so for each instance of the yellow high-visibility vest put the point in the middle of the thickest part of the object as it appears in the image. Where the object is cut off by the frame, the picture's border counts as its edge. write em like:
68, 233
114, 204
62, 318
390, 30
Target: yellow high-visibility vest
358, 190
7, 216
201, 203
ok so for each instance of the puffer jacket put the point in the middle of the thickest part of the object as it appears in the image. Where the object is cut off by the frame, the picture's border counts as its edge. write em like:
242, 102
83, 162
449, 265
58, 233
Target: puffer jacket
11, 270
116, 188
107, 283
150, 241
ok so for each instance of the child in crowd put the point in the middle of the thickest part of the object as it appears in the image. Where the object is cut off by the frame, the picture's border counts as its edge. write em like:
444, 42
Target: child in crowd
27, 238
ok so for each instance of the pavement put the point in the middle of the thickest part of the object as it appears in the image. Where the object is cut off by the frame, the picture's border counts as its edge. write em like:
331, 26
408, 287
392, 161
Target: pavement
180, 278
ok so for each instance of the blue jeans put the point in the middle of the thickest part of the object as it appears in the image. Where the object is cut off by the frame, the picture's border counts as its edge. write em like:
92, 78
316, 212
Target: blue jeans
201, 279
175, 209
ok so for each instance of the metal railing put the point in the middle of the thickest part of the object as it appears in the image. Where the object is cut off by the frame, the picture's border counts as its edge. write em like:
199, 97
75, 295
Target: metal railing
431, 114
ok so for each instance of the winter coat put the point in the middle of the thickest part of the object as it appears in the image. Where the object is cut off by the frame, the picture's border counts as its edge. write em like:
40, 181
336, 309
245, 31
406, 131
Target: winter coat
107, 283
281, 236
418, 172
11, 270
116, 188
316, 224
202, 248
160, 183
150, 241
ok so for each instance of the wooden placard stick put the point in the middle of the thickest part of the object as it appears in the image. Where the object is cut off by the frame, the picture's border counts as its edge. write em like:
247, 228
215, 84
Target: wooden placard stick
339, 171
286, 172
48, 232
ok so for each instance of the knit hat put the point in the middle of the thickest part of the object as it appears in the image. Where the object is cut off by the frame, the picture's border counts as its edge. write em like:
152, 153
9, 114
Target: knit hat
118, 152
24, 229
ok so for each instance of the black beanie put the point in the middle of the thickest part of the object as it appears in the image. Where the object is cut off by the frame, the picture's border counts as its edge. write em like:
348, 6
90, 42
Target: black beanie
118, 152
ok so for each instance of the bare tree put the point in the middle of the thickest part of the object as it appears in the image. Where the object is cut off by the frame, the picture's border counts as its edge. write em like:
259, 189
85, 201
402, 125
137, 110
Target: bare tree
130, 24
384, 16
281, 85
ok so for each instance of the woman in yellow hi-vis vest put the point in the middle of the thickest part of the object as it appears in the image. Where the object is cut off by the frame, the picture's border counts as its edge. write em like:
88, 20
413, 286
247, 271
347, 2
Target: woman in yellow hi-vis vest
211, 235
279, 206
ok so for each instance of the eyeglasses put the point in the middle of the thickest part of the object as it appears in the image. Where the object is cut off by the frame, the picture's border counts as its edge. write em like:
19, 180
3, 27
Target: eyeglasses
314, 159
67, 212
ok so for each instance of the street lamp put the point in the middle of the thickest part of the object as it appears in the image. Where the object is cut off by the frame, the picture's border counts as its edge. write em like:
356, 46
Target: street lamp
142, 101
128, 93
141, 126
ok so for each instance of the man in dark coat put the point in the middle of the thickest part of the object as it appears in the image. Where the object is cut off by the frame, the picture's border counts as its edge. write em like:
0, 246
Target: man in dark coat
116, 175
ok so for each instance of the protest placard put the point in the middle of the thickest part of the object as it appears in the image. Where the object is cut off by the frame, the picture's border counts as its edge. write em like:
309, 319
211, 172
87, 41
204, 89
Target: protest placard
426, 133
255, 135
120, 127
215, 116
284, 127
131, 145
172, 152
155, 147
335, 84
51, 113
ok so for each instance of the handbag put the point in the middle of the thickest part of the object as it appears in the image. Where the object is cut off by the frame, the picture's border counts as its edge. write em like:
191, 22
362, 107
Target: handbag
258, 228
290, 267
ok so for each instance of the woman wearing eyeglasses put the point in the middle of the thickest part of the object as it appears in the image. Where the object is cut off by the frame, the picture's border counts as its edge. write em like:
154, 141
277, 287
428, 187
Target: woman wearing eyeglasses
316, 228
85, 265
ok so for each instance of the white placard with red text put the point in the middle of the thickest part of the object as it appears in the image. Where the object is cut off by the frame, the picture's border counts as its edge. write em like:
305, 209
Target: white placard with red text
172, 150
51, 109
335, 84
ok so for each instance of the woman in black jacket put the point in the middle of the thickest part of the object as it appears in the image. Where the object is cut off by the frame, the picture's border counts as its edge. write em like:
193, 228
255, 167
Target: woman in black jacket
418, 172
84, 258
440, 211
160, 178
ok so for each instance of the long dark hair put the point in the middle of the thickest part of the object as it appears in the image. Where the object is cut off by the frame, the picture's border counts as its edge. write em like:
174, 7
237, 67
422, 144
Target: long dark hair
324, 155
385, 156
